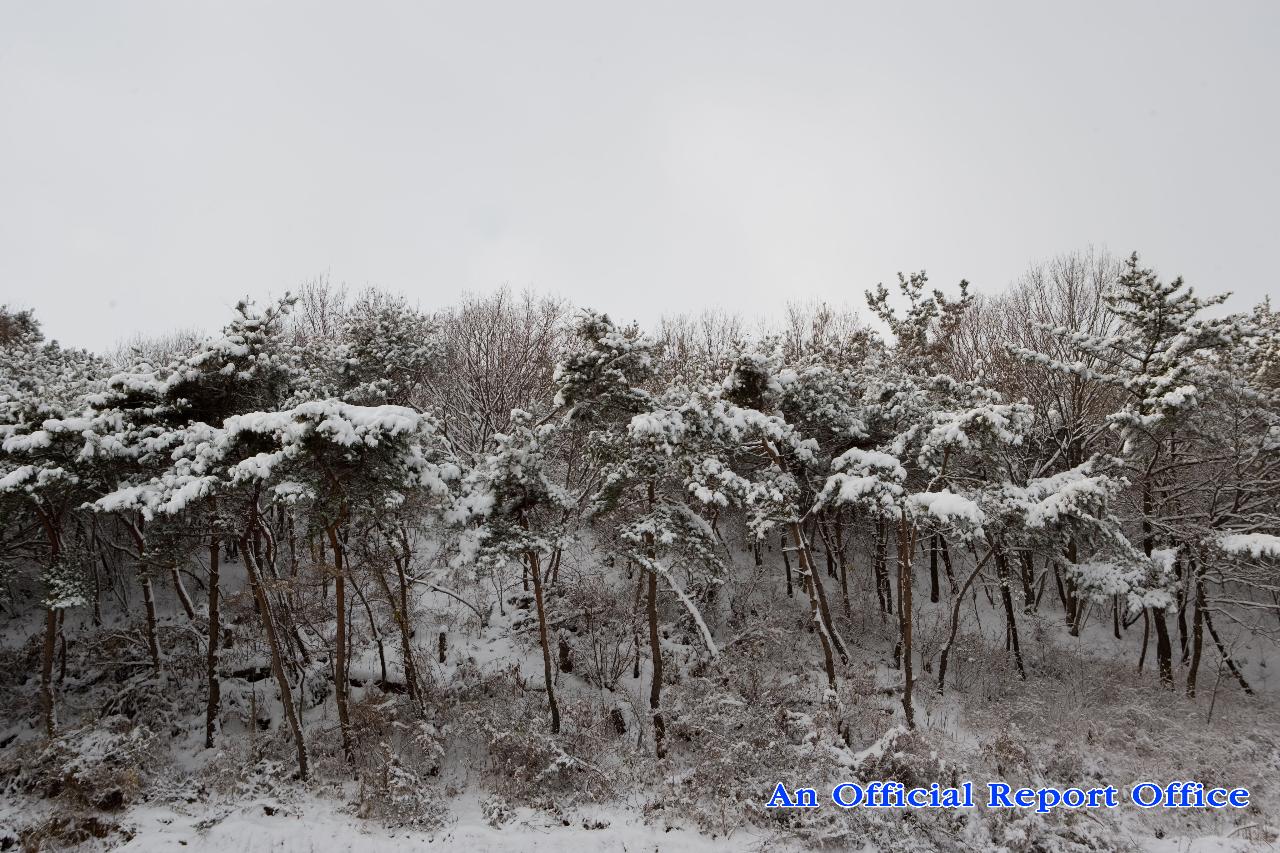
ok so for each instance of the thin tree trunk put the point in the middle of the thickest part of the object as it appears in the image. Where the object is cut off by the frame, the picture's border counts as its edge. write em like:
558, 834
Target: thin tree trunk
815, 610
642, 577
46, 668
1075, 607
373, 629
1146, 635
1226, 657
825, 610
957, 600
1028, 581
1197, 636
946, 562
148, 594
1006, 596
1164, 648
1184, 593
211, 654
655, 654
97, 581
535, 571
1062, 591
844, 568
149, 600
933, 569
50, 629
399, 607
277, 662
62, 646
881, 569
906, 550
655, 644
180, 588
340, 641
786, 561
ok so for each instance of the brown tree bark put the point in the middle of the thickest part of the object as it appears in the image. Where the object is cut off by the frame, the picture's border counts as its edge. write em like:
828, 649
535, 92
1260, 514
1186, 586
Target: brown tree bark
535, 572
906, 550
933, 569
1006, 596
1197, 636
815, 609
273, 643
54, 534
844, 567
180, 588
956, 601
340, 641
655, 641
400, 612
211, 655
1226, 656
1164, 648
46, 669
786, 561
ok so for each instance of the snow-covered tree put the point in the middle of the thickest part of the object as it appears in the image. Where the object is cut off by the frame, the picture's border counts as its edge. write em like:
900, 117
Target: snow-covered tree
44, 391
1152, 358
518, 512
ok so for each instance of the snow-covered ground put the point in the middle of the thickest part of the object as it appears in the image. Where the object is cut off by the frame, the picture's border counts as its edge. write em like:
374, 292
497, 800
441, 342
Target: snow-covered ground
314, 827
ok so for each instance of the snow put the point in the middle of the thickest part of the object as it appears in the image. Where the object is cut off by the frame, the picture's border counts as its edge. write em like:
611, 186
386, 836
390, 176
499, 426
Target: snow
314, 827
947, 507
16, 477
1254, 544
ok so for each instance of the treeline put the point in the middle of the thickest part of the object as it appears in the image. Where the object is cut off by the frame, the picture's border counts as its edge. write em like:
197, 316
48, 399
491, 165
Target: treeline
1095, 441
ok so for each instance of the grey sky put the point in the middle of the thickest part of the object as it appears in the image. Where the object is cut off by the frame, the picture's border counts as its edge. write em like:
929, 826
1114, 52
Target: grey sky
160, 160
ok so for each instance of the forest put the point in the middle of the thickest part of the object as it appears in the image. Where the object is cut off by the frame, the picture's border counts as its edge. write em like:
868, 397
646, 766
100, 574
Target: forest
517, 566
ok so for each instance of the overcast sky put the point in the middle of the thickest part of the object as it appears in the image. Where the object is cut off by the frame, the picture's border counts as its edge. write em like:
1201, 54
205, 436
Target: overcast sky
160, 160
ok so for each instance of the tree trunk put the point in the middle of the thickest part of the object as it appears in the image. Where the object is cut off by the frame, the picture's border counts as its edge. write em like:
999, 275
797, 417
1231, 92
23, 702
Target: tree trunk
46, 669
373, 628
180, 588
1146, 635
1028, 581
1184, 643
844, 567
1075, 607
1226, 657
1006, 596
149, 600
815, 610
277, 662
655, 644
655, 654
211, 655
933, 569
906, 550
1164, 648
148, 593
399, 607
1197, 636
956, 602
786, 561
535, 571
883, 587
51, 527
825, 610
340, 641
946, 562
